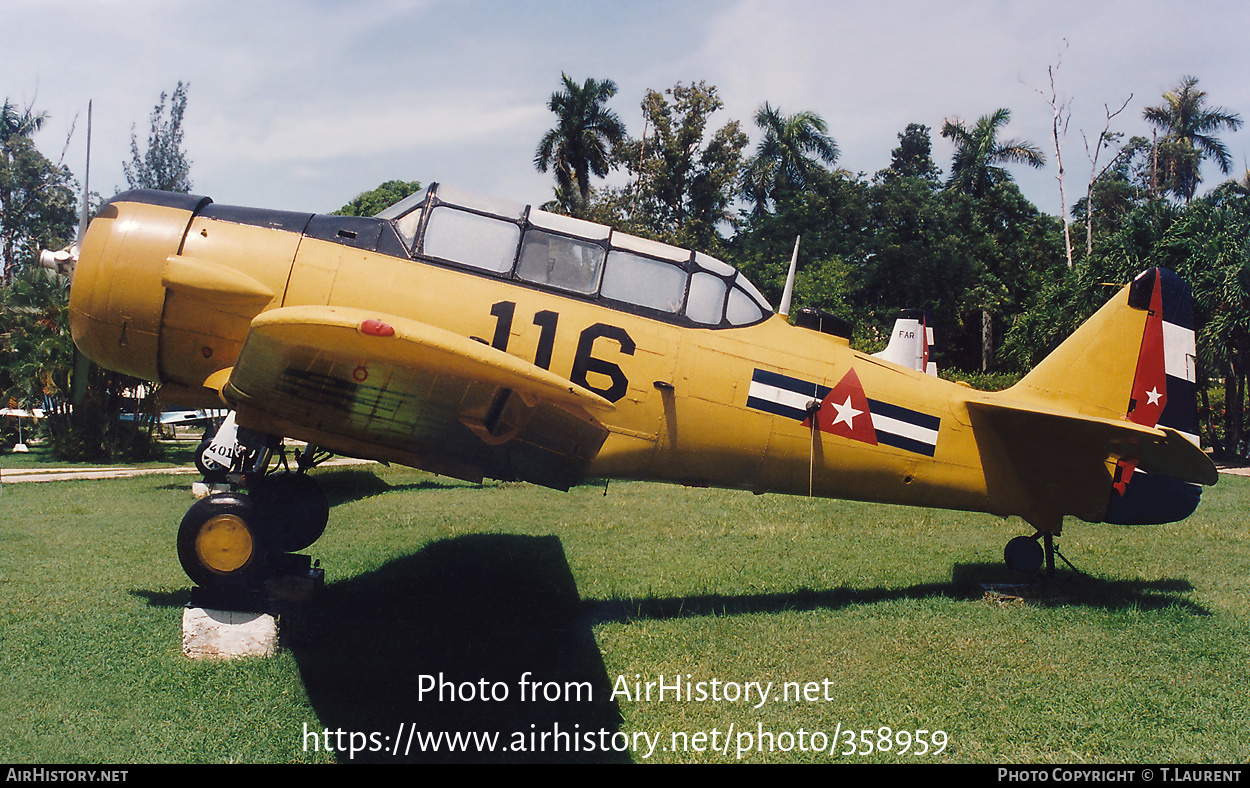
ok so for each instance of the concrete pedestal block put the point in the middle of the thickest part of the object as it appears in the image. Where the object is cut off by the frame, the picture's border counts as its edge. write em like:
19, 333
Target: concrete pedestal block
228, 634
204, 489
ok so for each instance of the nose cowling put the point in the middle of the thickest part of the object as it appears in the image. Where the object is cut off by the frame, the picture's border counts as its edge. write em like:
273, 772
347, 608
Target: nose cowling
117, 297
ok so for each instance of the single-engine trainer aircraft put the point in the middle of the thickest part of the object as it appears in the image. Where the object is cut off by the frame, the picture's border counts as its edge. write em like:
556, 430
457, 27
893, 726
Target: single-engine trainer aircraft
479, 338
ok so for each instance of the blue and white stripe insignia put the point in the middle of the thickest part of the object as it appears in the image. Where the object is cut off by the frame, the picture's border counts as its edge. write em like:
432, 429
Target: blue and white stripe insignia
894, 425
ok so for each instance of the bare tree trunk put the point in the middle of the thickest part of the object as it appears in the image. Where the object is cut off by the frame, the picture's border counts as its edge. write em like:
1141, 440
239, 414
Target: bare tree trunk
1060, 115
1095, 173
987, 340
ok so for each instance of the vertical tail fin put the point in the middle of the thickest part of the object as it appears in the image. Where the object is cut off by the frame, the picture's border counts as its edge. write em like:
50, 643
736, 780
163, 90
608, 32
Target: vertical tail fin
1133, 360
1164, 395
911, 342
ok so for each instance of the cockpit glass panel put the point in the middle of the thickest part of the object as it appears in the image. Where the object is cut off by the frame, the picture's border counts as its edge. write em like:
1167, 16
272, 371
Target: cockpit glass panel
746, 285
714, 265
404, 206
569, 226
633, 243
478, 202
707, 299
644, 282
471, 239
566, 263
407, 226
742, 308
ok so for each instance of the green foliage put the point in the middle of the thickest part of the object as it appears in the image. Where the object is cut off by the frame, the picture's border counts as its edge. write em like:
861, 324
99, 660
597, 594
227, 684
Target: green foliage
1189, 127
955, 255
831, 213
913, 158
36, 200
164, 164
982, 381
584, 140
1207, 242
684, 179
373, 202
36, 365
787, 157
978, 152
1209, 245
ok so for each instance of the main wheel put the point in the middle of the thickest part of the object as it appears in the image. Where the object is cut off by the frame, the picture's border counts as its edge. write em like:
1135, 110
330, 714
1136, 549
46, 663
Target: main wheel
219, 543
293, 508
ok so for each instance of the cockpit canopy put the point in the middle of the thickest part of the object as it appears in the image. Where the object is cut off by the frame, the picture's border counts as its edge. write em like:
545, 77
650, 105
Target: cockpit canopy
447, 225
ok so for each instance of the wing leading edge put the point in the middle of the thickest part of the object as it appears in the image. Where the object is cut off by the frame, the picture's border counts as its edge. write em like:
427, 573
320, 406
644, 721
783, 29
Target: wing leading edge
386, 387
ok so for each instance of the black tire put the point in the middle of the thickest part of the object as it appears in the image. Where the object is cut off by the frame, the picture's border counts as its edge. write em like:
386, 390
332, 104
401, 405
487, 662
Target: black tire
1024, 554
293, 508
219, 543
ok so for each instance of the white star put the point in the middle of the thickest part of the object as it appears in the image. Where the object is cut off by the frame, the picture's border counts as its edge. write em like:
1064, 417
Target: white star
846, 413
1153, 396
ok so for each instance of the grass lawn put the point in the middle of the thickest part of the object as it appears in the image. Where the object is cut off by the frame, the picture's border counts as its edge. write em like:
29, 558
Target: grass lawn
875, 616
178, 454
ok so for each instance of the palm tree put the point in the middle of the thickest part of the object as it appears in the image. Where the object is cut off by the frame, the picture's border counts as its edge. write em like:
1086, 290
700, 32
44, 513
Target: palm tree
1188, 128
787, 155
974, 168
584, 137
15, 123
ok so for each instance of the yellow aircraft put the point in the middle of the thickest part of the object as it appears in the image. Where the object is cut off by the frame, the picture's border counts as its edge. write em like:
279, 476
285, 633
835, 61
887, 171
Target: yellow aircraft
480, 338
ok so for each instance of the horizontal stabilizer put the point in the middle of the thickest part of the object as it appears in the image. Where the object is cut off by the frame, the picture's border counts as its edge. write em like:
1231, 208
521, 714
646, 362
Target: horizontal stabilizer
1164, 451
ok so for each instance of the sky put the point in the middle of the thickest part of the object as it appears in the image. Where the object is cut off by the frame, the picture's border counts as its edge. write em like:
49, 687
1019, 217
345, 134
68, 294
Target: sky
303, 105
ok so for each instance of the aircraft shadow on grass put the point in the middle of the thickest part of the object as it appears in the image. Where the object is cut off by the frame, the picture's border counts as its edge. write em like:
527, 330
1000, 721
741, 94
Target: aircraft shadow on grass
969, 581
374, 649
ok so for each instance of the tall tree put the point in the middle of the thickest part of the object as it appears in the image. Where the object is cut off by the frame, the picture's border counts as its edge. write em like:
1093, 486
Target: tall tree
582, 142
685, 180
787, 155
164, 165
36, 203
975, 172
15, 122
1189, 128
978, 153
913, 158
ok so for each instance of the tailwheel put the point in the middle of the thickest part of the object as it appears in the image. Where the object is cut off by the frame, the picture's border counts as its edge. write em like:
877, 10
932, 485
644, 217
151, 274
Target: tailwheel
293, 508
1024, 554
219, 543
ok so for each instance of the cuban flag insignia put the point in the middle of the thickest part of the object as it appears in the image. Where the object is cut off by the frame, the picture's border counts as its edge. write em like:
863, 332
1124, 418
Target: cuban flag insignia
845, 411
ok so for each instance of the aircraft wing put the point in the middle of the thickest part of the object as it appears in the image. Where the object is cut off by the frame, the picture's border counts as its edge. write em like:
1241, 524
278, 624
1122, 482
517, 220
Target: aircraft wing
385, 387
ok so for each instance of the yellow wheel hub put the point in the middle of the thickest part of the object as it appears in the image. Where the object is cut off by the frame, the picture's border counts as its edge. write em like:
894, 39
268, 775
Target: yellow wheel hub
224, 544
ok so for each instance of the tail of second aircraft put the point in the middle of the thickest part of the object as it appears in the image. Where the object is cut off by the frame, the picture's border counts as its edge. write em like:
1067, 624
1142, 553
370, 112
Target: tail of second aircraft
1121, 387
911, 342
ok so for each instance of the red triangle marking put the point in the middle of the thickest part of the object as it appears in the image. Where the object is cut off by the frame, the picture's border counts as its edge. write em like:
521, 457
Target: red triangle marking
844, 411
